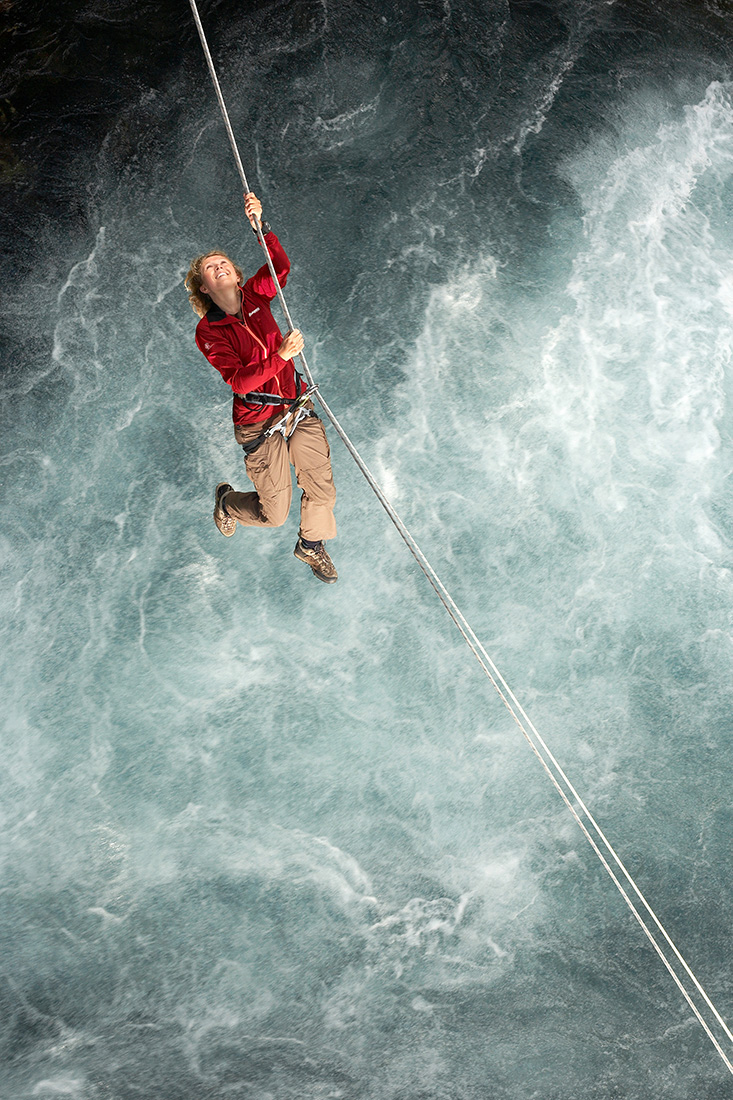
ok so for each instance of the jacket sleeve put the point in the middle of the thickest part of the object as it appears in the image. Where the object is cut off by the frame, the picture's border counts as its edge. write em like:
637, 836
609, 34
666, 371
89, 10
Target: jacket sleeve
243, 376
261, 282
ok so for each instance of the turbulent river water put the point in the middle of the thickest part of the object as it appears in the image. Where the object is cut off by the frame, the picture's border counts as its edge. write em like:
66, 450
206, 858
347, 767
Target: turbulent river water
266, 838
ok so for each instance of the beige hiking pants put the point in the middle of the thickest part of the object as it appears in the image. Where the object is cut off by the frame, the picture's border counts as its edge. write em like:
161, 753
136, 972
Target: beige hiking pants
268, 468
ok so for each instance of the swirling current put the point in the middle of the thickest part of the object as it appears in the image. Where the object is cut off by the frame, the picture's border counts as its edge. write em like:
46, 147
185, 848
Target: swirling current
266, 838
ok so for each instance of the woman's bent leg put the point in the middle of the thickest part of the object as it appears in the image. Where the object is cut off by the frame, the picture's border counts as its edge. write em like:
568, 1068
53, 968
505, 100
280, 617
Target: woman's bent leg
268, 468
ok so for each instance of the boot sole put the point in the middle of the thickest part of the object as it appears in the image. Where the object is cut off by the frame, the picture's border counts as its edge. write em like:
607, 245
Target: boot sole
219, 512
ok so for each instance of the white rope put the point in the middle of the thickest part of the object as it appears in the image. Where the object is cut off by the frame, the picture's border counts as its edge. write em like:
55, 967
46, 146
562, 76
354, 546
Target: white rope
590, 828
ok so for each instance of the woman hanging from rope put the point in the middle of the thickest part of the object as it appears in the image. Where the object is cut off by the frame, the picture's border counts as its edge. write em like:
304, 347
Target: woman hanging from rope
239, 336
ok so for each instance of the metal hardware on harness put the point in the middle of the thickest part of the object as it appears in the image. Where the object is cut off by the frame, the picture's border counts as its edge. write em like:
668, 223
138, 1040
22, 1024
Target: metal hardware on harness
296, 409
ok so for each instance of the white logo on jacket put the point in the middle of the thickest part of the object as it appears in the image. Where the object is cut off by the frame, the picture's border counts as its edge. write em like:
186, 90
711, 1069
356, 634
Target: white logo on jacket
252, 313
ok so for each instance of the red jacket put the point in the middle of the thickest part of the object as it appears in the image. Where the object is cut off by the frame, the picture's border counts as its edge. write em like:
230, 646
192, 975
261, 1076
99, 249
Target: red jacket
245, 352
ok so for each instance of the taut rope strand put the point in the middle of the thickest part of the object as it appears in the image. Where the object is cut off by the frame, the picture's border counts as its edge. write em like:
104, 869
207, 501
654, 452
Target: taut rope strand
537, 744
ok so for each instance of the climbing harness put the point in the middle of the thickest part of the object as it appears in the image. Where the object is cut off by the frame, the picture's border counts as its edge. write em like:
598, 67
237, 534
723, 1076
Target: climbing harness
567, 792
297, 409
261, 398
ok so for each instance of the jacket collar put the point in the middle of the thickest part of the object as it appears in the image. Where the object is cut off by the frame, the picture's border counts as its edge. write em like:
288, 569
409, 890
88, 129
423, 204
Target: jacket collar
215, 314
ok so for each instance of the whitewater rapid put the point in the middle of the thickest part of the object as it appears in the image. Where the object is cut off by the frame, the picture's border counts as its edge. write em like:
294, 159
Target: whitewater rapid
268, 838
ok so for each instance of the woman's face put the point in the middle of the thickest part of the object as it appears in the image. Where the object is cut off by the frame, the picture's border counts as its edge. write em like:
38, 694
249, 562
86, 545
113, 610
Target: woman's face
217, 272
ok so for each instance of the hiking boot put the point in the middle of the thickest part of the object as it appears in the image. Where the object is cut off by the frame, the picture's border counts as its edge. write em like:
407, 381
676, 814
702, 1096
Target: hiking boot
226, 523
319, 561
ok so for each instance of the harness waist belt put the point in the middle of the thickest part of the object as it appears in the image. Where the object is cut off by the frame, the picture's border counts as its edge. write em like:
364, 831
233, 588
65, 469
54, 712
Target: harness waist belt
259, 398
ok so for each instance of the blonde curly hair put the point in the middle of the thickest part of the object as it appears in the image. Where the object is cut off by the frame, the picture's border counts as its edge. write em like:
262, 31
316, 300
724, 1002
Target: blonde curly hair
200, 301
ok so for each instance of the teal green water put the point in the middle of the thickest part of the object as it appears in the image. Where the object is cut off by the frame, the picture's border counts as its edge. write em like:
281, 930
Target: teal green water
269, 839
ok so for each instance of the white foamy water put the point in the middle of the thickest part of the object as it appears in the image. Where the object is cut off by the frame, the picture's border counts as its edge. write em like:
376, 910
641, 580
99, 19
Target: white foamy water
268, 838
